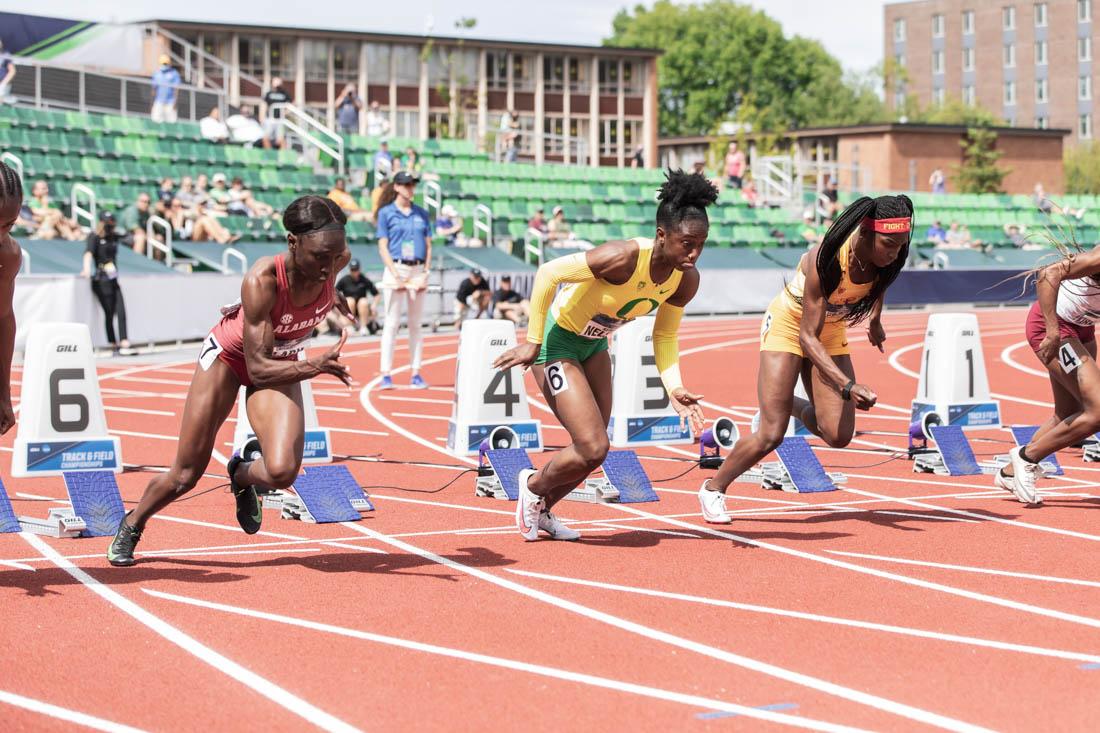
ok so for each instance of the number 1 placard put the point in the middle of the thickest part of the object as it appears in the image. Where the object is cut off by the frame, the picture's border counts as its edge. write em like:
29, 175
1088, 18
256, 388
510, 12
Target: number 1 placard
953, 381
62, 426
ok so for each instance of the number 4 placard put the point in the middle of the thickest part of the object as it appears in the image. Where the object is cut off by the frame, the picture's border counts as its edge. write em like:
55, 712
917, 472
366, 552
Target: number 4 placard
61, 421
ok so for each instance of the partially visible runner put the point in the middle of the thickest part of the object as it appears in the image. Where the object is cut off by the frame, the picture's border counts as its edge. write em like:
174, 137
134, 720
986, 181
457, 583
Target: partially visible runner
256, 344
839, 283
11, 256
1061, 330
608, 286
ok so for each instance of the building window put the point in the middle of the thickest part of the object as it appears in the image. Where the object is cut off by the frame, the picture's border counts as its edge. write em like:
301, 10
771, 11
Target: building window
378, 64
553, 73
1084, 126
578, 75
968, 59
937, 62
523, 74
497, 69
464, 62
899, 29
1010, 55
1008, 18
316, 60
250, 51
968, 94
899, 60
408, 123
1084, 49
609, 77
1042, 122
968, 22
406, 66
937, 25
282, 60
1040, 53
345, 62
1010, 92
1040, 91
937, 96
1084, 88
1084, 11
439, 69
633, 78
1040, 15
609, 137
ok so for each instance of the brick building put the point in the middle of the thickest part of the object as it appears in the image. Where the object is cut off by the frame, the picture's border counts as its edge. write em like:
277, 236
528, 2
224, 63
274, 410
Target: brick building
1028, 62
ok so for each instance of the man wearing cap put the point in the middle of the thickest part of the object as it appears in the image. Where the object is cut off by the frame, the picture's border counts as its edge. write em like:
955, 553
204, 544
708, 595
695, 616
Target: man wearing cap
101, 267
405, 246
559, 228
165, 81
473, 292
448, 226
362, 298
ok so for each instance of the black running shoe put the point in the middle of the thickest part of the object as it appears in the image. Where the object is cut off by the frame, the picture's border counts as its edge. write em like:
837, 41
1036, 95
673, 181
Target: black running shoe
249, 509
121, 552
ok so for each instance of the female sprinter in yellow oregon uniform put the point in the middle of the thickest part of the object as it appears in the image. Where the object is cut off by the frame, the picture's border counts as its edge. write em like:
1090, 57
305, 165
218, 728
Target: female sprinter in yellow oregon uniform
608, 286
839, 283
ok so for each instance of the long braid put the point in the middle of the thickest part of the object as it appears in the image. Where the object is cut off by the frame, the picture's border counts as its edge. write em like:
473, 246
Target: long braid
10, 185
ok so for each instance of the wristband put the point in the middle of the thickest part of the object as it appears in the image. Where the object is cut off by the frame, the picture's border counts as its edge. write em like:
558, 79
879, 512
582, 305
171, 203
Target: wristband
846, 393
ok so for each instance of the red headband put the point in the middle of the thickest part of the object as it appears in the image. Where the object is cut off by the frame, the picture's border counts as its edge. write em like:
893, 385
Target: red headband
888, 226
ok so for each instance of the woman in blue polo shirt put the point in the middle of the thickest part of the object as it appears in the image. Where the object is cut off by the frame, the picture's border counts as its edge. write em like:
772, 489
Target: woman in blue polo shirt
405, 244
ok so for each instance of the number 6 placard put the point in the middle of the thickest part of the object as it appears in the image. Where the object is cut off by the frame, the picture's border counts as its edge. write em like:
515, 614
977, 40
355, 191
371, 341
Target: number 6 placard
61, 422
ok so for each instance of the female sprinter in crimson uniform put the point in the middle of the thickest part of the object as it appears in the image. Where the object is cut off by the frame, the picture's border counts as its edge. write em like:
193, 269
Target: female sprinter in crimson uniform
839, 283
1061, 330
11, 256
608, 287
256, 344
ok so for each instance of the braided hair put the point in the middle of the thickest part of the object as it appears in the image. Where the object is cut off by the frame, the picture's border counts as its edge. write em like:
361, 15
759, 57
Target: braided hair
308, 214
828, 265
10, 184
684, 196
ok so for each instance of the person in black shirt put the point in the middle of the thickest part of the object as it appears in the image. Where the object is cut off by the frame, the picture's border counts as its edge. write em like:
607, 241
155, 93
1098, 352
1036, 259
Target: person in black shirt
100, 266
473, 292
507, 303
273, 120
362, 297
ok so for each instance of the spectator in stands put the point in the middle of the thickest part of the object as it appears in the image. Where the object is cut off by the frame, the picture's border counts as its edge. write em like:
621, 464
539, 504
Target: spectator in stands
473, 292
699, 167
957, 237
7, 76
938, 181
637, 160
383, 157
242, 195
936, 233
198, 227
411, 162
51, 222
833, 196
133, 219
189, 196
347, 202
362, 297
538, 223
274, 136
101, 267
219, 197
748, 192
1044, 204
509, 304
558, 230
509, 135
735, 166
381, 193
165, 194
165, 81
1015, 233
448, 227
212, 128
347, 106
378, 123
244, 128
811, 232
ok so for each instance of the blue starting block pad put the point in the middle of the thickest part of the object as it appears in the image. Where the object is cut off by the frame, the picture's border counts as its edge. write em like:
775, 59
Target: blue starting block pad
625, 473
321, 495
1023, 434
804, 470
955, 451
96, 500
8, 522
339, 478
503, 482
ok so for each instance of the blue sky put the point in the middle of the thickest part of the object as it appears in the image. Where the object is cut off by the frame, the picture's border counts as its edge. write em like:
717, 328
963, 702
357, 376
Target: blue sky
850, 29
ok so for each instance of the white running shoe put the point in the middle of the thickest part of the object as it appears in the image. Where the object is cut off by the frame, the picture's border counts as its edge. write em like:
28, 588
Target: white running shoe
713, 504
557, 529
528, 508
1022, 483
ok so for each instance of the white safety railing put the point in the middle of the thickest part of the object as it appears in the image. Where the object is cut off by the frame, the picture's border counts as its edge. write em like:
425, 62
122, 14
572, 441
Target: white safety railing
432, 195
164, 246
59, 86
236, 254
311, 132
483, 222
774, 179
25, 262
382, 169
15, 162
204, 69
940, 261
79, 211
533, 242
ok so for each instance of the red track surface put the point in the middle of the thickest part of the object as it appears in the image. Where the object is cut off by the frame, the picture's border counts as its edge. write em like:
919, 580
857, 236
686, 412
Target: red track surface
380, 623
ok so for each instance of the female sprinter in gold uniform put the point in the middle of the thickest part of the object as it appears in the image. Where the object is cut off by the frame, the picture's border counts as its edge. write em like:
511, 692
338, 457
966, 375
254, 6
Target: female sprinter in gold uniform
607, 287
839, 283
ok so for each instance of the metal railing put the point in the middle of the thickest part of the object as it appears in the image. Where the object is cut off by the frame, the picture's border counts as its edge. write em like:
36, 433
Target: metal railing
310, 131
577, 147
774, 179
201, 67
533, 242
15, 162
236, 254
163, 246
77, 211
58, 86
25, 262
432, 195
483, 222
382, 170
940, 261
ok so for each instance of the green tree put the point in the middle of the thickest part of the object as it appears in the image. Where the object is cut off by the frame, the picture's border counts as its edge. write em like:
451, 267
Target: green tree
954, 112
724, 61
979, 172
1082, 166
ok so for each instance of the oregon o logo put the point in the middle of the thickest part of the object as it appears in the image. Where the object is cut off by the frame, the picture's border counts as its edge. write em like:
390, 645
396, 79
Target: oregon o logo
625, 311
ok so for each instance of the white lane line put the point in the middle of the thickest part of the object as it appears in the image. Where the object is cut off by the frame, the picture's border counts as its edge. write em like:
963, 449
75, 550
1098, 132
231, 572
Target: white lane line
907, 580
838, 621
193, 646
814, 683
322, 408
1007, 358
139, 411
970, 569
151, 380
69, 716
418, 416
426, 400
357, 431
112, 392
538, 669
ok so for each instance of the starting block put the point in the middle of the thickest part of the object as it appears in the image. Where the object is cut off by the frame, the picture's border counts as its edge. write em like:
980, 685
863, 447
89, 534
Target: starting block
8, 521
623, 481
1023, 434
498, 473
95, 511
797, 470
952, 456
322, 494
1092, 449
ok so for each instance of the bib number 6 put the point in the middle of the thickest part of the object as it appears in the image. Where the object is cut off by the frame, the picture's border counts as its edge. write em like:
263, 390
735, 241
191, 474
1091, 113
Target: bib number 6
555, 378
